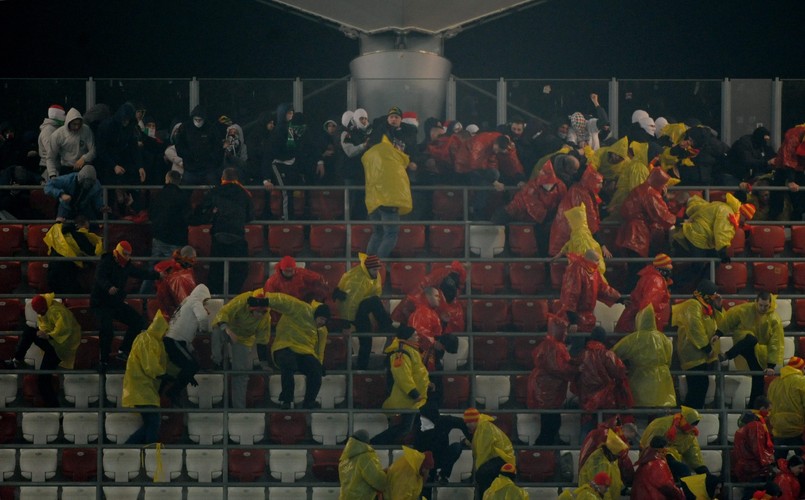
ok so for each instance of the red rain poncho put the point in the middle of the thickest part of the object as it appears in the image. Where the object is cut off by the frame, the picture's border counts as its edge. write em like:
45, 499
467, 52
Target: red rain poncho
653, 479
477, 154
582, 285
585, 191
601, 382
547, 383
645, 215
754, 451
538, 200
652, 289
178, 283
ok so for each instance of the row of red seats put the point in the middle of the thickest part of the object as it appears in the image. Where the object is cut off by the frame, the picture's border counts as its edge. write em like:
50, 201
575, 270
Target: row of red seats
766, 276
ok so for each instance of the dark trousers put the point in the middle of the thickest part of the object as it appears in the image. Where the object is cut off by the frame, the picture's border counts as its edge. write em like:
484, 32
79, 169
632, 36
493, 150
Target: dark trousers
372, 306
50, 361
396, 432
678, 469
180, 355
697, 386
444, 460
688, 278
485, 474
549, 428
746, 348
63, 277
149, 432
287, 175
237, 270
290, 362
123, 313
781, 446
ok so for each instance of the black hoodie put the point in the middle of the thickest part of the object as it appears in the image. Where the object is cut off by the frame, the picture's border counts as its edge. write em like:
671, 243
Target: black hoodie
116, 144
750, 154
199, 147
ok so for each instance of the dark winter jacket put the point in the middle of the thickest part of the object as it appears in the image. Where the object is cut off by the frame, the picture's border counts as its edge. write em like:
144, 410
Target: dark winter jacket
169, 214
110, 274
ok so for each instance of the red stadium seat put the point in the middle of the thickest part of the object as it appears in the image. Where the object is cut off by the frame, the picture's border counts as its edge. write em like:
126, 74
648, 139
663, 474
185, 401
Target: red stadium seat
201, 271
79, 464
529, 315
200, 238
328, 240
731, 277
8, 427
138, 235
327, 204
8, 346
255, 240
37, 274
258, 202
446, 241
536, 466
406, 276
202, 344
36, 238
287, 428
247, 465
410, 241
557, 274
522, 350
286, 239
798, 239
82, 312
799, 313
456, 391
799, 275
521, 389
767, 240
298, 204
368, 391
527, 278
171, 428
44, 204
487, 277
490, 315
770, 276
10, 314
729, 303
332, 271
718, 195
325, 465
738, 245
10, 276
30, 389
504, 422
255, 278
335, 353
88, 353
255, 391
522, 240
448, 205
11, 239
489, 353
359, 238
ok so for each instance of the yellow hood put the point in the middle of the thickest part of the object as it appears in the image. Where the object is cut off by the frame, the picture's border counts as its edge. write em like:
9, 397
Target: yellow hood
614, 443
733, 202
645, 320
692, 416
577, 217
413, 457
158, 327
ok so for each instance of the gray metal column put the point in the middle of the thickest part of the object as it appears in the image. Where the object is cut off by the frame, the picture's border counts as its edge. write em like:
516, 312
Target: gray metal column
614, 106
89, 87
726, 111
352, 94
194, 94
450, 99
776, 124
502, 102
298, 95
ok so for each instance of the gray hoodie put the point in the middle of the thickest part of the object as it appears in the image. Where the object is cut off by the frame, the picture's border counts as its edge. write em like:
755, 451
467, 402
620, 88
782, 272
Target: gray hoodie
66, 146
190, 317
45, 131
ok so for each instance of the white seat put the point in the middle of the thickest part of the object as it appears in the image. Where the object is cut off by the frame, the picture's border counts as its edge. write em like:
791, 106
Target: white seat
528, 426
8, 462
725, 344
40, 427
245, 493
8, 389
487, 241
171, 464
492, 390
329, 428
708, 429
711, 389
214, 306
39, 492
452, 362
77, 492
163, 493
209, 392
324, 493
122, 492
784, 310
543, 493
569, 431
202, 493
120, 426
38, 465
204, 465
205, 428
274, 388
82, 390
736, 391
606, 316
247, 428
713, 460
286, 492
462, 469
287, 465
80, 428
574, 454
121, 464
454, 493
114, 388
333, 390
383, 456
373, 423
788, 349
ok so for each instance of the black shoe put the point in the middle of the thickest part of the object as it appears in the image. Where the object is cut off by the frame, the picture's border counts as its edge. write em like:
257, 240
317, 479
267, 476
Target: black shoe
285, 405
311, 405
121, 356
443, 480
18, 364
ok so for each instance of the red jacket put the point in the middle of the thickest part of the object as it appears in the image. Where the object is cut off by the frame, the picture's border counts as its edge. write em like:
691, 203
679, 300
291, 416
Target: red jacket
477, 154
537, 201
651, 289
585, 191
598, 436
582, 285
645, 215
601, 382
653, 479
175, 287
754, 451
788, 483
792, 150
406, 307
304, 285
547, 383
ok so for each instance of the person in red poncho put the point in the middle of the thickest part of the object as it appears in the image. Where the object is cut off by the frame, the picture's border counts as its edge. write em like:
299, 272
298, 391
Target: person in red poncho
547, 383
652, 288
450, 281
598, 436
297, 282
179, 279
754, 450
789, 170
653, 479
582, 286
788, 477
585, 191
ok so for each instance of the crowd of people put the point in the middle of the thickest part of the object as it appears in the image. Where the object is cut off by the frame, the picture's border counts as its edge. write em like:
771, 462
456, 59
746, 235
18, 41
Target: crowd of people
564, 178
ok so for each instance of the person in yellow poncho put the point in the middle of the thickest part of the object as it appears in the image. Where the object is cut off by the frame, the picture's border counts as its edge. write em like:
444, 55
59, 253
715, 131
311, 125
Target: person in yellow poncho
757, 333
581, 239
647, 353
491, 449
299, 344
787, 396
610, 160
679, 429
503, 487
70, 239
58, 334
359, 471
697, 343
242, 322
146, 363
406, 476
592, 490
701, 486
633, 173
605, 459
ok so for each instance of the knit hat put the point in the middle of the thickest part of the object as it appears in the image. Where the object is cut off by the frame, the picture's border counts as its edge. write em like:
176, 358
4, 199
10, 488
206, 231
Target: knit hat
471, 415
796, 362
410, 118
748, 211
39, 304
508, 469
395, 110
662, 261
405, 332
123, 248
323, 311
428, 463
472, 128
87, 172
361, 435
707, 287
287, 262
602, 479
56, 112
256, 303
372, 262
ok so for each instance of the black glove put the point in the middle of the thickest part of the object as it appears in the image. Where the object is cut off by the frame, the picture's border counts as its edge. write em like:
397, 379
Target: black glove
725, 259
262, 352
339, 294
323, 371
68, 228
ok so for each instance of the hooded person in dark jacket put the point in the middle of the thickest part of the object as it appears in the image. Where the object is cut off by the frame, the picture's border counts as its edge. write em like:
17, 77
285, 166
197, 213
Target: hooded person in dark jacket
708, 162
198, 144
750, 157
118, 158
285, 165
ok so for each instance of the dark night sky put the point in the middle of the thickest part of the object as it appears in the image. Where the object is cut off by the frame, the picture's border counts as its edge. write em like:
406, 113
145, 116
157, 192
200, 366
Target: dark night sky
243, 38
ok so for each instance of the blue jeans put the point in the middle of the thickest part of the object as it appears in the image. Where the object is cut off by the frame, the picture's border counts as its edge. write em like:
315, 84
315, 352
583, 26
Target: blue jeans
384, 236
158, 249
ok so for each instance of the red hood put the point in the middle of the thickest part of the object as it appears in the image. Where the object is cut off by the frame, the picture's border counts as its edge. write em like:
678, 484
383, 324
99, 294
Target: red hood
591, 180
658, 178
547, 175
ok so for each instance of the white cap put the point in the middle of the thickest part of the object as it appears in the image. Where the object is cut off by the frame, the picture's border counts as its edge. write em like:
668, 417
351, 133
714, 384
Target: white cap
472, 128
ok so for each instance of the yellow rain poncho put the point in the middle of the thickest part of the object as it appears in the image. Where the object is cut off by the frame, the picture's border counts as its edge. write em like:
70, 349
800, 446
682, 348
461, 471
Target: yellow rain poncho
682, 445
709, 226
600, 160
297, 327
359, 472
634, 173
787, 396
147, 361
358, 285
410, 377
62, 328
745, 319
239, 319
696, 328
66, 246
697, 485
648, 352
503, 488
404, 482
598, 462
674, 131
488, 442
584, 492
581, 239
387, 181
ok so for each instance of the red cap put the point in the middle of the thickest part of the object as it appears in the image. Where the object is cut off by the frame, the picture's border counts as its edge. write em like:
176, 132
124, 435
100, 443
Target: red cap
602, 479
39, 305
287, 262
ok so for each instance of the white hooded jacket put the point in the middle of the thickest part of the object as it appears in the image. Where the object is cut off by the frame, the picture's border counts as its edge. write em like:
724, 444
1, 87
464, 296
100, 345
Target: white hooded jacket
191, 317
66, 147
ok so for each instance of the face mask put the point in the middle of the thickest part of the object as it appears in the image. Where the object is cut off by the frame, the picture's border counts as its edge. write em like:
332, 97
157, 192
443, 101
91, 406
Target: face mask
198, 122
548, 187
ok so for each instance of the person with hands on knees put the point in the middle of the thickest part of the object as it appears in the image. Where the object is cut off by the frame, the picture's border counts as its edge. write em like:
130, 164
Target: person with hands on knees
79, 193
651, 289
243, 322
592, 490
491, 449
433, 435
503, 487
360, 473
406, 476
